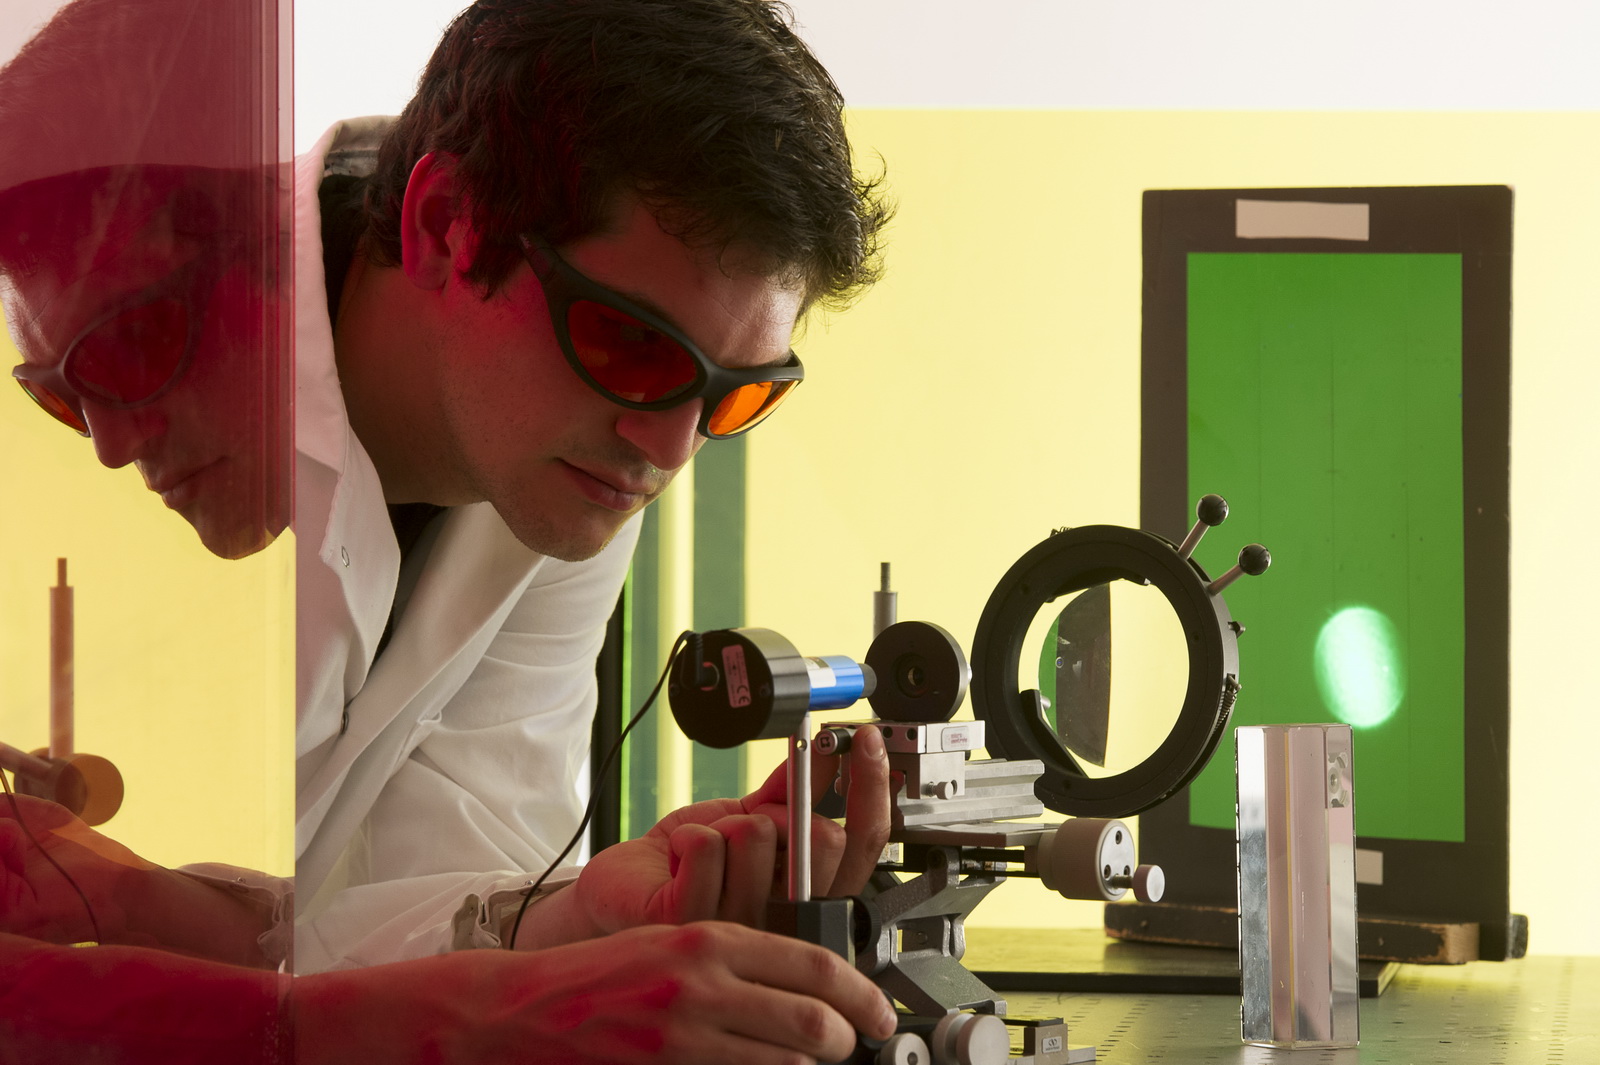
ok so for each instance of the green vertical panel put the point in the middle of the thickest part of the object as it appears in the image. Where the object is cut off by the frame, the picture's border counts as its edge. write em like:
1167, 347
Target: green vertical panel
1325, 404
640, 788
719, 553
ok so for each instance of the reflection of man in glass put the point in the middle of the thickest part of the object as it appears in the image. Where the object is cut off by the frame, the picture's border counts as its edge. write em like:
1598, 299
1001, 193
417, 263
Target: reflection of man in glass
144, 303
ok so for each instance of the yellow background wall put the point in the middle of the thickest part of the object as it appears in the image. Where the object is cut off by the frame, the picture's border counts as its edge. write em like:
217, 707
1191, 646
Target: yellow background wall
984, 393
988, 390
185, 662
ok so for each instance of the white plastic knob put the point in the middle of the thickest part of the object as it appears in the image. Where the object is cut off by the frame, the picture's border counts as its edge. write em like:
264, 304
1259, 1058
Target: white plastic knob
1149, 883
907, 1048
970, 1039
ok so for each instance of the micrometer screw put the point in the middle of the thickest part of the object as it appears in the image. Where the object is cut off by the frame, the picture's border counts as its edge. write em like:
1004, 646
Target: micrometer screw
833, 740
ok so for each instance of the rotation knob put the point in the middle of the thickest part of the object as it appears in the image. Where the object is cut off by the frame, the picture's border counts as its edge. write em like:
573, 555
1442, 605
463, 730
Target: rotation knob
907, 1048
1091, 858
1253, 562
970, 1039
1211, 510
1149, 883
833, 740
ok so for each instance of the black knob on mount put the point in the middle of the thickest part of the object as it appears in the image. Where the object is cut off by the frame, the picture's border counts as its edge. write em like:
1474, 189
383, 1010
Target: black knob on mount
1211, 510
1254, 559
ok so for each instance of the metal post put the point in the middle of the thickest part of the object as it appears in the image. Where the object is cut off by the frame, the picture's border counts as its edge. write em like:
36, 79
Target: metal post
800, 811
61, 676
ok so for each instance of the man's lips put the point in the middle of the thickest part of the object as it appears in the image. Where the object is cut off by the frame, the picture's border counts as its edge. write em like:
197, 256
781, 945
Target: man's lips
613, 490
177, 488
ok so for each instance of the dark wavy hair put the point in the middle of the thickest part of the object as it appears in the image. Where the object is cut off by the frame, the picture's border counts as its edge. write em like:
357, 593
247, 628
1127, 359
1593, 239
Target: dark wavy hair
712, 111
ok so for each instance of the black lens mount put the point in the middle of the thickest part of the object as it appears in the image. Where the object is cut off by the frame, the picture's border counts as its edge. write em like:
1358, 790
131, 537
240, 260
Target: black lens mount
1069, 561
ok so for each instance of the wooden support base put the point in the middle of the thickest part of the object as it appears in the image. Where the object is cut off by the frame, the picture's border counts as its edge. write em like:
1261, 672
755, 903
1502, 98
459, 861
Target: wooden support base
1379, 938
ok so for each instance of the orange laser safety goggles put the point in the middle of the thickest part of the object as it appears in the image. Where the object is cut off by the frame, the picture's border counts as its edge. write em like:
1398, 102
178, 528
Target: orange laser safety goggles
639, 360
128, 356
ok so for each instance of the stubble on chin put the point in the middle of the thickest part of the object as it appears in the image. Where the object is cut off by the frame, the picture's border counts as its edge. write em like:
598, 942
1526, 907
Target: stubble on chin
546, 537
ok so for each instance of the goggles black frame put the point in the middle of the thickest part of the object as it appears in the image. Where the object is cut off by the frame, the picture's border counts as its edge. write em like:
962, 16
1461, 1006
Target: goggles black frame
62, 379
563, 286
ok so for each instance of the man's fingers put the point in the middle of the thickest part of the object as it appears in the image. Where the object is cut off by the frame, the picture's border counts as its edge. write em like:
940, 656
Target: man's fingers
808, 977
867, 815
751, 849
827, 849
699, 858
13, 849
774, 791
722, 993
824, 771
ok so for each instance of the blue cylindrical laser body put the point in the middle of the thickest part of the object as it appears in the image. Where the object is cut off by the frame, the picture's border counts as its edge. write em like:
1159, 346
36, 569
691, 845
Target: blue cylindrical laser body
837, 681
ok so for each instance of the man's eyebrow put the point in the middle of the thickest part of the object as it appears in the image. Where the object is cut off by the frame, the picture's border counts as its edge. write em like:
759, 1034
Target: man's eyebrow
644, 303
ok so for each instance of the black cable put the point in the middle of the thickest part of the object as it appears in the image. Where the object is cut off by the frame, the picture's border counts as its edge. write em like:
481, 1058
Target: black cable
594, 794
16, 811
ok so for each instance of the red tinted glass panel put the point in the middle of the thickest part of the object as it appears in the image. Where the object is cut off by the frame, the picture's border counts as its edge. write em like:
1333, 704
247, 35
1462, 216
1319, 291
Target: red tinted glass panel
145, 220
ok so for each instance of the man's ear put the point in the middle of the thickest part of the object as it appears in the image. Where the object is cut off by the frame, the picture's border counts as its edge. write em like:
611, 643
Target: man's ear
427, 243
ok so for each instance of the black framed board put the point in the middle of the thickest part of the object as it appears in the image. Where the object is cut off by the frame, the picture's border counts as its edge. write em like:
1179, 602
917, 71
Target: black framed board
1336, 362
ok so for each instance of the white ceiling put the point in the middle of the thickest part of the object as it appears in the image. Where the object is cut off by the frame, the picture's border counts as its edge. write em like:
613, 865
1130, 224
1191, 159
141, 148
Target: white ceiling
362, 56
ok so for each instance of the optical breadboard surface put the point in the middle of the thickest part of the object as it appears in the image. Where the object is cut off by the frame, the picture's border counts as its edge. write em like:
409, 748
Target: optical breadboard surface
1517, 1013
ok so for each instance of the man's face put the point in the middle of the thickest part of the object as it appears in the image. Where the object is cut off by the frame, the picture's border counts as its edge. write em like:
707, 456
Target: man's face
202, 445
563, 465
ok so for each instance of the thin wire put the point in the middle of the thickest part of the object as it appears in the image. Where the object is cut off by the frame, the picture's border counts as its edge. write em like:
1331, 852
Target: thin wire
16, 811
599, 778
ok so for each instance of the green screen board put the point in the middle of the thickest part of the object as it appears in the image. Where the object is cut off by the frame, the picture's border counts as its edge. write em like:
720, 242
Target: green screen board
1324, 400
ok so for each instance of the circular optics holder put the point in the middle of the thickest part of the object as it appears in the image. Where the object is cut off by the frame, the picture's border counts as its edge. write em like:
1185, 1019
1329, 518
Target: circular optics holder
1069, 561
921, 672
756, 688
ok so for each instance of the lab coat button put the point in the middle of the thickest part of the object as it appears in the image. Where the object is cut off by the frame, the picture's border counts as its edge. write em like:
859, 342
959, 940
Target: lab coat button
344, 556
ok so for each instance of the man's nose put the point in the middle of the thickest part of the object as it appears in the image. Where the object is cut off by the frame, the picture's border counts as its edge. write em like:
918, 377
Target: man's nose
120, 436
667, 438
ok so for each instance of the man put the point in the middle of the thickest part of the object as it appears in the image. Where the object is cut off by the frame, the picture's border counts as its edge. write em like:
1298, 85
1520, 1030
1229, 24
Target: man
565, 485
581, 251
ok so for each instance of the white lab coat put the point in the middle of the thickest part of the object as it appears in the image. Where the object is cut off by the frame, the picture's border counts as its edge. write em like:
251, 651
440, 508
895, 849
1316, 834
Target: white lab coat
455, 775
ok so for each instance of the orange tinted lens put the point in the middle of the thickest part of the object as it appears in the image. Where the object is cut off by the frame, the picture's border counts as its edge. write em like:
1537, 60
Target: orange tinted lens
55, 406
626, 357
747, 405
133, 355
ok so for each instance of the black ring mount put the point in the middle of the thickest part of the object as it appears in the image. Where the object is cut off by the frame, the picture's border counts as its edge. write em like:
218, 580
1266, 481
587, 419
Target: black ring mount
1070, 561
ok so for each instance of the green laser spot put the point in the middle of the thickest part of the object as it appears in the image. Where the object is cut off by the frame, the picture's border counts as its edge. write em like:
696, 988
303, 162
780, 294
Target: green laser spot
1360, 674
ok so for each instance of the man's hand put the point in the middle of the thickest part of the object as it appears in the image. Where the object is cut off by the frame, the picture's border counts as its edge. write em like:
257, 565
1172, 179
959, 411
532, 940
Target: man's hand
135, 903
708, 993
723, 859
36, 900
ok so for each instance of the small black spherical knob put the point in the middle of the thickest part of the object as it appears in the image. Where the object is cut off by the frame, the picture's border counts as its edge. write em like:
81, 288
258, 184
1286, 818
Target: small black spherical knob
1254, 559
1213, 509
